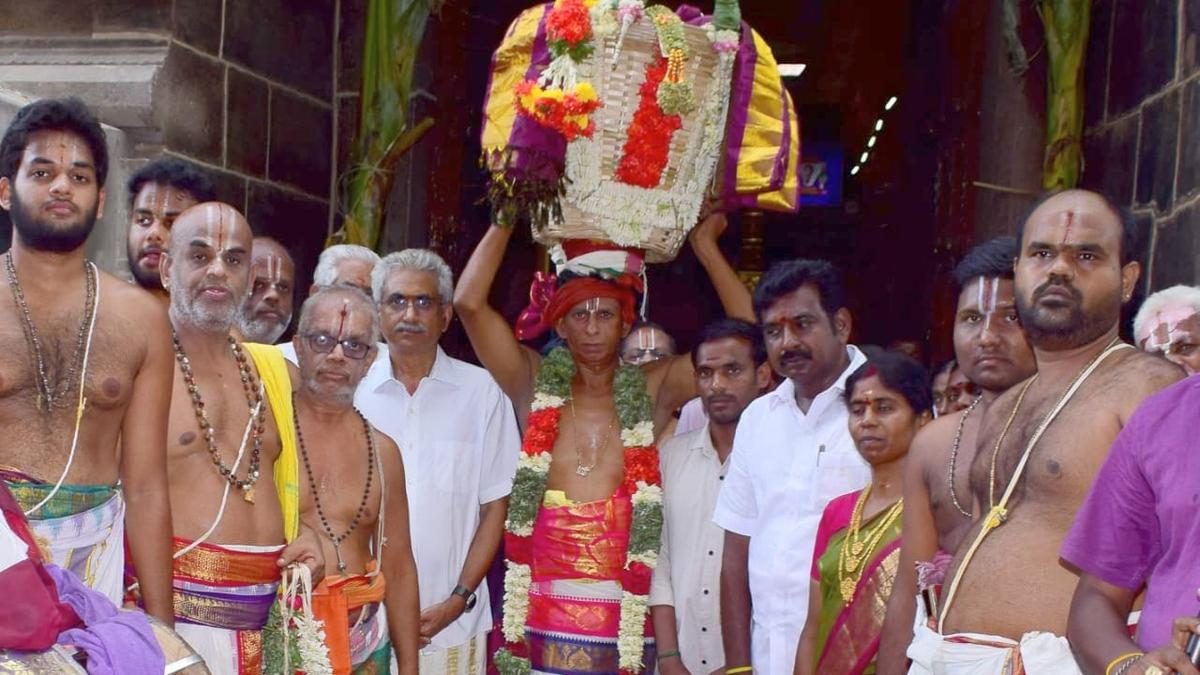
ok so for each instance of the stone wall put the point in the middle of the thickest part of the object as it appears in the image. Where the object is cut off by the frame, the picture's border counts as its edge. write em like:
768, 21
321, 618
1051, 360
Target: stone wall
263, 93
1142, 142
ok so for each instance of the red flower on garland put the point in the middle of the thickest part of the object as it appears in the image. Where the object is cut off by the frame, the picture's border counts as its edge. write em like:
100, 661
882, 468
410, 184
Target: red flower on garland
569, 21
648, 144
641, 464
541, 432
568, 113
518, 549
636, 579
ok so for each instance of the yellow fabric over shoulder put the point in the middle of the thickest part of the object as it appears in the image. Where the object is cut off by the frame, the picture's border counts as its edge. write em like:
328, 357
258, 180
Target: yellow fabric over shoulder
508, 69
273, 370
763, 137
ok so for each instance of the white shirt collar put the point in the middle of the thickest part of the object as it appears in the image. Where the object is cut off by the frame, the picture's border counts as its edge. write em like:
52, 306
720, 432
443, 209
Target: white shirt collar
786, 392
380, 373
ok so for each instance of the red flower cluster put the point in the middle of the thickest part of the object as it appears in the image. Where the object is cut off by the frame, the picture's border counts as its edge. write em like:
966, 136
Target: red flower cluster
648, 144
542, 431
641, 464
562, 112
636, 579
518, 549
569, 21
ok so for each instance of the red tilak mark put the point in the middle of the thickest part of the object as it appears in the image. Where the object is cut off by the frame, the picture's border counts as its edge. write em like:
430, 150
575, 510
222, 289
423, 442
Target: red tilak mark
342, 320
220, 229
1067, 232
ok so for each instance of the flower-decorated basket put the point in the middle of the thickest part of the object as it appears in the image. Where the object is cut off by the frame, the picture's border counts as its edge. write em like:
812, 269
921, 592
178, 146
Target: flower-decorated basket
607, 119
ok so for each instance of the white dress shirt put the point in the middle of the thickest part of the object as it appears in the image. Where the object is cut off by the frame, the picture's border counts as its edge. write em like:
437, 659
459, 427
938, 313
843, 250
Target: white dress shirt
688, 575
786, 466
458, 437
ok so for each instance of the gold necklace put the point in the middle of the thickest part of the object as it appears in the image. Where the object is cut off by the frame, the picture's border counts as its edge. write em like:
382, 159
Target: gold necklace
857, 545
581, 469
1000, 441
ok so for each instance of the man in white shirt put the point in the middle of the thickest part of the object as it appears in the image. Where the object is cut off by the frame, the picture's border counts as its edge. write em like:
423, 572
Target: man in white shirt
458, 437
791, 455
341, 265
731, 369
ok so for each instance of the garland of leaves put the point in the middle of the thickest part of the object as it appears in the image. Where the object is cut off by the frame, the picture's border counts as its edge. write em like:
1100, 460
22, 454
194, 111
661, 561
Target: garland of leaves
552, 390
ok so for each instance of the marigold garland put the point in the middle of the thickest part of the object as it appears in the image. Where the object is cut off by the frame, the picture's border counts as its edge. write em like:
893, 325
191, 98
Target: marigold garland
552, 390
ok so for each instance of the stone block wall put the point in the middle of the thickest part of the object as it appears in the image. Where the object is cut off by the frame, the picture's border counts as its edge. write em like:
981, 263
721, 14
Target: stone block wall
1142, 138
255, 91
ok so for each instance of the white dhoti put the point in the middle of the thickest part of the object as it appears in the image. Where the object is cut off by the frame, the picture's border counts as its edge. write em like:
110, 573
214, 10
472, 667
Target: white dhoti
974, 654
468, 658
90, 544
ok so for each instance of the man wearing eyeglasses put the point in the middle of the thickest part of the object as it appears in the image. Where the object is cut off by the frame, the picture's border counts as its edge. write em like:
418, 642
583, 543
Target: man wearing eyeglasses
458, 437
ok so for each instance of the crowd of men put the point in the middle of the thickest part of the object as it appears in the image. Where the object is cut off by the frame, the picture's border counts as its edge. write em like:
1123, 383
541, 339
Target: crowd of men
825, 508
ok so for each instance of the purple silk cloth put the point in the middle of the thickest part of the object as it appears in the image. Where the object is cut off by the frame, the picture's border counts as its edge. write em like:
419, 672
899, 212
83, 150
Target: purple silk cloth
1139, 522
539, 152
116, 641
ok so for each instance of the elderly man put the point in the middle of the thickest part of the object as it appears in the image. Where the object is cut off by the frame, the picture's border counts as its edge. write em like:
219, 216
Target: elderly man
731, 370
581, 485
993, 353
646, 342
268, 310
1168, 323
368, 555
792, 454
1006, 596
234, 472
340, 265
158, 193
458, 437
85, 376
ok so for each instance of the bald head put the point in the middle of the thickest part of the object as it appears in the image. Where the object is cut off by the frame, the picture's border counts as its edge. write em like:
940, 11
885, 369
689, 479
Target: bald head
1093, 207
335, 343
207, 269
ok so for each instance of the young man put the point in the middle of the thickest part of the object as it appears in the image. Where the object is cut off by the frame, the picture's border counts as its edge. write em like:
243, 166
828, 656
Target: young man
234, 471
354, 490
792, 454
585, 490
731, 370
458, 436
1168, 323
85, 371
158, 193
267, 312
991, 349
1006, 596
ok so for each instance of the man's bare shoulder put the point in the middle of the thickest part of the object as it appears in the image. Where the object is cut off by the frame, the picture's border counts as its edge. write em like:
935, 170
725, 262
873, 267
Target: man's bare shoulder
133, 302
389, 452
932, 443
1138, 375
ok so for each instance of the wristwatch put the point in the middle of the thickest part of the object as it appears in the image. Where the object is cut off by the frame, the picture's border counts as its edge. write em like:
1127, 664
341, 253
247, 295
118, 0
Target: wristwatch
466, 594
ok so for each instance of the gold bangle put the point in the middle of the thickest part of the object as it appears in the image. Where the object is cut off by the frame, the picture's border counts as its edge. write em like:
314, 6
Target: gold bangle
1112, 664
739, 669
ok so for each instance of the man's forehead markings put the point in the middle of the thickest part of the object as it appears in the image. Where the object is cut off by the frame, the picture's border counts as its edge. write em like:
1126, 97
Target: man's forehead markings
1068, 220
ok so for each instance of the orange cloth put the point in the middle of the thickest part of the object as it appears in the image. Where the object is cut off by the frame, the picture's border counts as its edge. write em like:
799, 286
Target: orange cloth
579, 289
334, 598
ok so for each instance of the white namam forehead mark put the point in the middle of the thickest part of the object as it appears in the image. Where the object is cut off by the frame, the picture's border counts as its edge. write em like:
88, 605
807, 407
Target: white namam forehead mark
63, 148
647, 338
986, 297
1164, 333
212, 230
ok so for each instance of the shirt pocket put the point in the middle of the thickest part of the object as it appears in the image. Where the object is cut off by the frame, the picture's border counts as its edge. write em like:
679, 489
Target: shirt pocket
834, 477
453, 470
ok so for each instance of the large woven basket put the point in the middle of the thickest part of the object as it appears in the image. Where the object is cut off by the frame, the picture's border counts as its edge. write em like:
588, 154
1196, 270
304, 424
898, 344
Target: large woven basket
597, 206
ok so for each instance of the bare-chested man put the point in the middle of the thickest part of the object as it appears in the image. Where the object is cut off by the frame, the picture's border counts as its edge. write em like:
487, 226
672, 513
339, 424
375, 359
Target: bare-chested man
592, 310
268, 310
992, 351
67, 324
228, 437
353, 492
158, 193
1006, 593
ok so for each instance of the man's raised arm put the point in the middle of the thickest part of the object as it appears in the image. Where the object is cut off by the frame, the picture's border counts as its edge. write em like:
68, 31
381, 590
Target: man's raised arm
512, 365
144, 466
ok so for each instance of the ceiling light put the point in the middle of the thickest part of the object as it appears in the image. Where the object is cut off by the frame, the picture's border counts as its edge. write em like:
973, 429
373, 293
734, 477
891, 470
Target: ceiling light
854, 171
891, 103
871, 142
863, 158
791, 69
879, 125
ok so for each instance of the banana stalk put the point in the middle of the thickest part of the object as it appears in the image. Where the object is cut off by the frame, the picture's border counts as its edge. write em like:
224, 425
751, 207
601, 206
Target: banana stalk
1066, 24
394, 30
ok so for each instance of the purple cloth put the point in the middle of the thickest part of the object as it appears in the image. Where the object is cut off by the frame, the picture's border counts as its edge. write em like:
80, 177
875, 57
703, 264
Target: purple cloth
116, 641
1139, 523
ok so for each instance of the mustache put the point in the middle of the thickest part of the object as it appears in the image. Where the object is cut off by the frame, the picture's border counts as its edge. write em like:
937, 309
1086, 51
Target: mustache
797, 353
408, 327
1055, 284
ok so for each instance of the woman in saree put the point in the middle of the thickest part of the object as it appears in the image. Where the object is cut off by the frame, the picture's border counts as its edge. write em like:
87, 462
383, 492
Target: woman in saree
858, 541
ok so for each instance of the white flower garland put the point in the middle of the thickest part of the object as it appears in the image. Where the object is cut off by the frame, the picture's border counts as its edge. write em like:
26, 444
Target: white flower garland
517, 583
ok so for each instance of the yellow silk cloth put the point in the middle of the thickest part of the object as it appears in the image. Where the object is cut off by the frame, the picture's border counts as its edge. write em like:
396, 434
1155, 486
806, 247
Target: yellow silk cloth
581, 540
277, 384
509, 64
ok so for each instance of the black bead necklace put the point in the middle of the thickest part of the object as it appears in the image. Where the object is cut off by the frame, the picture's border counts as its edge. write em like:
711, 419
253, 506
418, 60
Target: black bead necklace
253, 400
312, 483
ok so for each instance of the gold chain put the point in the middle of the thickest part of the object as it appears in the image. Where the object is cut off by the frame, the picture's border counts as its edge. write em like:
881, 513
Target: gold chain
857, 547
1000, 441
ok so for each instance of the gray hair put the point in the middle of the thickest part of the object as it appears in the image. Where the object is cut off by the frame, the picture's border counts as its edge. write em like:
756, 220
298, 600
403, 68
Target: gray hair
326, 272
357, 299
421, 259
1162, 301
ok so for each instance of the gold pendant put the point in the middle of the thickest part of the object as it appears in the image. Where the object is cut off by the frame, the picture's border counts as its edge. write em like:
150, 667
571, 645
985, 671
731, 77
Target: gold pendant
847, 589
583, 471
248, 495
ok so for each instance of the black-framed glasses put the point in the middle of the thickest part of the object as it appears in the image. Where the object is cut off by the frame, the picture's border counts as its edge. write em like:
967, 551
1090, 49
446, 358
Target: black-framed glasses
323, 343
